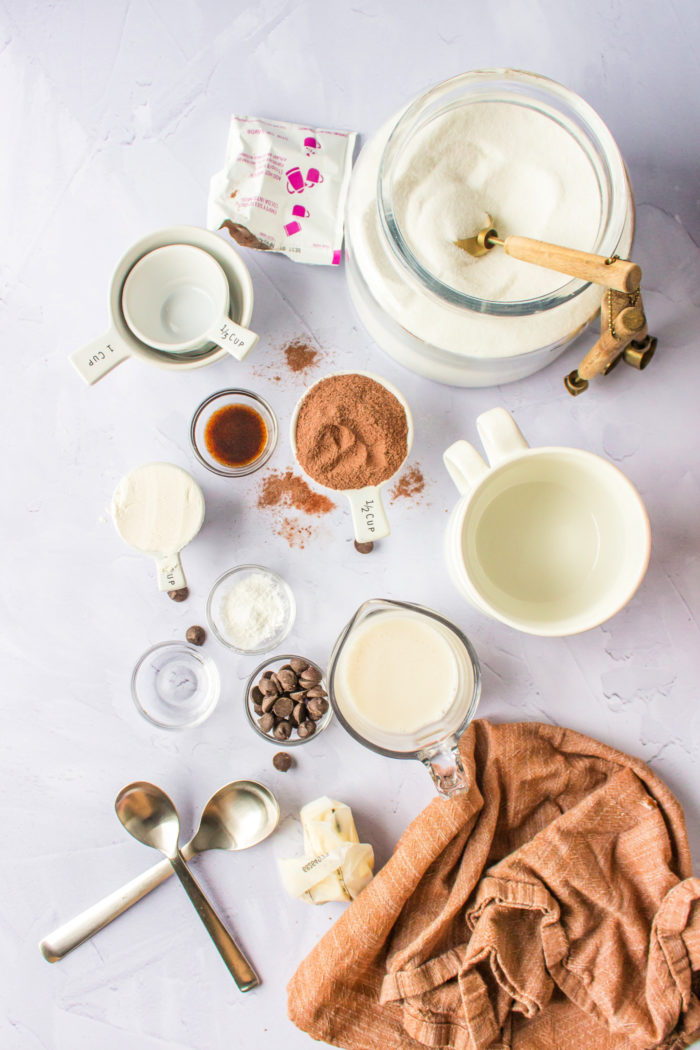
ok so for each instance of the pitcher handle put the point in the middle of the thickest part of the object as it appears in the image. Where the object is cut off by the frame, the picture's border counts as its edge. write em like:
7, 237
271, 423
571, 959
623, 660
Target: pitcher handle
465, 466
500, 435
444, 763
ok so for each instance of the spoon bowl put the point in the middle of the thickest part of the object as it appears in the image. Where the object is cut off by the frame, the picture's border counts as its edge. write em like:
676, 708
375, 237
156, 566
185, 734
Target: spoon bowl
149, 815
239, 815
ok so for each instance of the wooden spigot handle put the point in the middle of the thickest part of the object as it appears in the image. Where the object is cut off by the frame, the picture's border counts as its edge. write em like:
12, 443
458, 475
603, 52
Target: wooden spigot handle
620, 275
630, 324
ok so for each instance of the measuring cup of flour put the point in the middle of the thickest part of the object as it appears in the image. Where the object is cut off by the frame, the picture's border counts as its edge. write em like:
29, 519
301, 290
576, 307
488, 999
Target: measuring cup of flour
551, 541
158, 509
351, 432
405, 682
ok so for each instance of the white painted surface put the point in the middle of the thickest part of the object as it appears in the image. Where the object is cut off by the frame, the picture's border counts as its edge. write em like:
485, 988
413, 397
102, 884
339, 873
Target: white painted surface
114, 116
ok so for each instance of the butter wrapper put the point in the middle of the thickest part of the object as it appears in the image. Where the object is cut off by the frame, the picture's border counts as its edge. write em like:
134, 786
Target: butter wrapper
335, 865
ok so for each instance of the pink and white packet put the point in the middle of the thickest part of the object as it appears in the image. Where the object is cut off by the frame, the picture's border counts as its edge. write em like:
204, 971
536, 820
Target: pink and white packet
283, 189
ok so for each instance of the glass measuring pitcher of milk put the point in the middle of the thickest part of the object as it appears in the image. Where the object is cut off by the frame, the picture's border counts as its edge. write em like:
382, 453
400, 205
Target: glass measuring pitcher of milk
405, 682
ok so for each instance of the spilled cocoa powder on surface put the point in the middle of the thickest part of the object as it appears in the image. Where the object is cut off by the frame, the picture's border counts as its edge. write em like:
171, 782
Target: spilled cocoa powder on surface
283, 491
300, 355
289, 490
410, 485
294, 360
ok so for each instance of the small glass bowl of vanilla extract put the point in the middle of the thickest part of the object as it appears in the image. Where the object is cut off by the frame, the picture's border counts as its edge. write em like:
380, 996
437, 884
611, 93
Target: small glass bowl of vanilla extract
233, 433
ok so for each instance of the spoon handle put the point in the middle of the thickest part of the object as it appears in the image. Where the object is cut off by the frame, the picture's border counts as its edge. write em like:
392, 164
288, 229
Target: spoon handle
82, 927
240, 969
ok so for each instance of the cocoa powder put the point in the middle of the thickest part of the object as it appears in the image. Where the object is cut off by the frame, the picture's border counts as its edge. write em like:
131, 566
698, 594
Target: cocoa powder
409, 485
351, 432
288, 490
300, 355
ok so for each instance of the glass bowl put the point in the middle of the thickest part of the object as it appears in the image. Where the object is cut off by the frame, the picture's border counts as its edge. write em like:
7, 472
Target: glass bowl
275, 664
175, 685
216, 607
215, 403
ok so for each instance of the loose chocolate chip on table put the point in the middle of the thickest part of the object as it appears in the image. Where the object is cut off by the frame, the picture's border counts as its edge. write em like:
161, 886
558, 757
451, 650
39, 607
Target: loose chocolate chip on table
179, 596
282, 761
364, 548
196, 635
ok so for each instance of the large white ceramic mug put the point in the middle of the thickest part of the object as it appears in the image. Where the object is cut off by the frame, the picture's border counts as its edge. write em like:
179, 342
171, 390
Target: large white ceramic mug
551, 541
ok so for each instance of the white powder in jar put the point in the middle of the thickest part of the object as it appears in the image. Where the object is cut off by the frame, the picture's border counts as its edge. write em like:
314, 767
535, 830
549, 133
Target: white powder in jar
526, 171
497, 159
254, 611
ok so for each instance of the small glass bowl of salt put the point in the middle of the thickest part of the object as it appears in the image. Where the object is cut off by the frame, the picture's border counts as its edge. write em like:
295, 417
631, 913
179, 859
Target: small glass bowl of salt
251, 609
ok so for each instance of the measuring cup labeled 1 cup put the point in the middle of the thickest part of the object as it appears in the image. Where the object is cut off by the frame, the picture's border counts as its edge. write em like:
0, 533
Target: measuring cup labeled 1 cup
181, 281
158, 509
405, 682
369, 519
552, 541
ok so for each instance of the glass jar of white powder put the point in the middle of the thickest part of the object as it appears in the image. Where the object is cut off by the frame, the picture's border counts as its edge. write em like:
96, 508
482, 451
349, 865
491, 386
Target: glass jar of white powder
513, 148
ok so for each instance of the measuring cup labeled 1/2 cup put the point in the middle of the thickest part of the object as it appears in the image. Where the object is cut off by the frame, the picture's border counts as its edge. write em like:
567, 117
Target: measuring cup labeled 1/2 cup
184, 304
369, 518
551, 541
405, 682
158, 509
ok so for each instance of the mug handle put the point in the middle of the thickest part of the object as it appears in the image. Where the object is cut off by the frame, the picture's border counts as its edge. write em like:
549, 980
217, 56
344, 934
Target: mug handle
500, 436
369, 520
465, 466
239, 341
444, 763
100, 356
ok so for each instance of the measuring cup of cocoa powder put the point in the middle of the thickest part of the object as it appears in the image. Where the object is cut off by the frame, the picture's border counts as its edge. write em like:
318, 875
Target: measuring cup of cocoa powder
351, 432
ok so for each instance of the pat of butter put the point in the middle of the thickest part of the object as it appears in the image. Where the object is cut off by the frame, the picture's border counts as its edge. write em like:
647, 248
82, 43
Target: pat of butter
335, 865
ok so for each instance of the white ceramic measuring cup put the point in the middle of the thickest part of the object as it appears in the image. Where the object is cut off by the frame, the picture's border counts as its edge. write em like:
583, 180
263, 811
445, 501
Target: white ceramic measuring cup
100, 356
551, 541
176, 299
158, 509
369, 520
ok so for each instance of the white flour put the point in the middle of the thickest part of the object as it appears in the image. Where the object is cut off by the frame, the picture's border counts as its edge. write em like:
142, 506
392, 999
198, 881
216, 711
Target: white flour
253, 611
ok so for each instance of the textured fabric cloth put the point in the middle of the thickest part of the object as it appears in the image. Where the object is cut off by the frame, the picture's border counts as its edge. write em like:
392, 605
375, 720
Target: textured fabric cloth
550, 907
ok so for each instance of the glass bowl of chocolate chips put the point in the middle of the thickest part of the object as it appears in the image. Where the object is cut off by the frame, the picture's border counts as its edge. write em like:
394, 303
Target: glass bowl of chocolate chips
286, 700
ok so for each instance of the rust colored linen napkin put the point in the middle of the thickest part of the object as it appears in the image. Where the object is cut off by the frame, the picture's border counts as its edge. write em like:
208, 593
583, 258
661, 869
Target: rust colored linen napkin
551, 906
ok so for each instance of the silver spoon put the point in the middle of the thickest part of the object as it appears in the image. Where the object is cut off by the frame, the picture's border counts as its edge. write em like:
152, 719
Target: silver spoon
239, 815
150, 816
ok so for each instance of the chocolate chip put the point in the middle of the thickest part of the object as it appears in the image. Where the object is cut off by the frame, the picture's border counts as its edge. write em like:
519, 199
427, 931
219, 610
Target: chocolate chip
315, 690
268, 687
309, 677
298, 665
180, 595
306, 729
283, 730
287, 680
282, 761
283, 707
268, 702
317, 708
364, 548
301, 695
258, 708
267, 722
196, 635
299, 714
255, 695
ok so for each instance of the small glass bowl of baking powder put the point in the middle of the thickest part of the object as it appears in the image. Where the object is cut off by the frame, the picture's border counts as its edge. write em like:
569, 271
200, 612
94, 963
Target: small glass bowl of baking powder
251, 609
